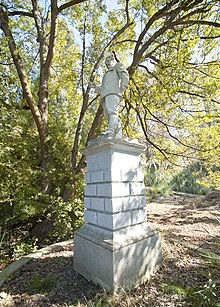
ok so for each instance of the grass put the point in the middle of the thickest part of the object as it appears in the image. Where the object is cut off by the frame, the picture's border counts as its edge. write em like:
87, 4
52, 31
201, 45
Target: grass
206, 296
42, 285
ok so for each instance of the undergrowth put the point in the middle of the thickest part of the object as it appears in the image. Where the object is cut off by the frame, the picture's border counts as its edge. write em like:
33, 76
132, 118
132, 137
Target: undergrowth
42, 285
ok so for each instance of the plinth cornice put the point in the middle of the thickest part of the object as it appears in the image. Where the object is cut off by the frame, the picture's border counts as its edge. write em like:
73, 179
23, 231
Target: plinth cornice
102, 143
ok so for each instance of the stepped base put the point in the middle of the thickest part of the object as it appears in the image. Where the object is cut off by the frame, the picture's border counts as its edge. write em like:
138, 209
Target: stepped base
120, 259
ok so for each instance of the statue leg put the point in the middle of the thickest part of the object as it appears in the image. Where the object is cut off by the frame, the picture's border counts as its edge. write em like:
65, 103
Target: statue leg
115, 125
111, 112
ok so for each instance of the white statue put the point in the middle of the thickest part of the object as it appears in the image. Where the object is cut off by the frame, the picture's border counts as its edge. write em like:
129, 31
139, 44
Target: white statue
114, 83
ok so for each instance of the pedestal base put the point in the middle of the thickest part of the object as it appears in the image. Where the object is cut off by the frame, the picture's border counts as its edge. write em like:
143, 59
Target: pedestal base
116, 248
120, 259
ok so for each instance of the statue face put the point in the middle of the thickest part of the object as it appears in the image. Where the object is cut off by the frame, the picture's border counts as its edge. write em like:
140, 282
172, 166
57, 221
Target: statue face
109, 62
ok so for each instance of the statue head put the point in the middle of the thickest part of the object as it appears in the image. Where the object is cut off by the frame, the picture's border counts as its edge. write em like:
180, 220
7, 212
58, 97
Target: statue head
110, 61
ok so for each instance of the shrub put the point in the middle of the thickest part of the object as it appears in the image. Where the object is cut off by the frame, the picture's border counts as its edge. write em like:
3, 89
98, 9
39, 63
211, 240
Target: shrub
186, 181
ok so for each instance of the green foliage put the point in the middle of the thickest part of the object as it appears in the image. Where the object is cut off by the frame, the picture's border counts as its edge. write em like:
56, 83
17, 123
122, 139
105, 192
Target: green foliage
41, 285
207, 296
157, 177
163, 178
186, 180
22, 248
19, 174
22, 201
69, 214
16, 241
172, 101
174, 288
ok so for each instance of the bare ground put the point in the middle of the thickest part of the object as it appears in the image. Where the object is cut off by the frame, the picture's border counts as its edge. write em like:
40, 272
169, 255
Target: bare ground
184, 222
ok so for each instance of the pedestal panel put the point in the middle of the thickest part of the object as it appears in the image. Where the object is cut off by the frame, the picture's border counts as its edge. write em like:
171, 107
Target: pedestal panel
116, 248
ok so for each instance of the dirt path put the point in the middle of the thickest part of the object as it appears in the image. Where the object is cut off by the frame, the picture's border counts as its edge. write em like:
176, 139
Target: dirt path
51, 280
193, 219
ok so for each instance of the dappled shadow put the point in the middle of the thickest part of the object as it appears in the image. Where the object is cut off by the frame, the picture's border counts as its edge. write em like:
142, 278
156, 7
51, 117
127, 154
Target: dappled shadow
181, 269
72, 289
124, 259
180, 265
185, 277
178, 221
64, 285
184, 215
198, 226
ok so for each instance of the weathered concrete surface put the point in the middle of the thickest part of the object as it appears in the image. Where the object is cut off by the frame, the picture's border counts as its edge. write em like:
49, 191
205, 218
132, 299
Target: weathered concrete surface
116, 248
117, 260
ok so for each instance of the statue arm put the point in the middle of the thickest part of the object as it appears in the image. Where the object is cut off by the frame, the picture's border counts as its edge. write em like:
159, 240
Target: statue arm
96, 88
124, 76
124, 80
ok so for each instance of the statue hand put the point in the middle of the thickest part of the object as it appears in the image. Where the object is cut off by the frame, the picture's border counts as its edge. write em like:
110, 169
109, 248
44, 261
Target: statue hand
95, 87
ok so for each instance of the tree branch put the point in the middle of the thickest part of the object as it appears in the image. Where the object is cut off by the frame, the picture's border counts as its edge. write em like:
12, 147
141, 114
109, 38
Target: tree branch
127, 11
20, 13
197, 22
69, 4
155, 17
92, 134
53, 36
40, 31
21, 74
209, 37
197, 95
85, 101
147, 138
169, 24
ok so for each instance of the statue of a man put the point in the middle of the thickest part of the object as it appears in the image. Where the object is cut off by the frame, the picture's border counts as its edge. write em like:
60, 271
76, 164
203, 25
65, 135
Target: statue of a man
114, 83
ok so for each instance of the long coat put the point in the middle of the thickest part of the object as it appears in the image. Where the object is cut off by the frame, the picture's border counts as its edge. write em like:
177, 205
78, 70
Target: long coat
114, 81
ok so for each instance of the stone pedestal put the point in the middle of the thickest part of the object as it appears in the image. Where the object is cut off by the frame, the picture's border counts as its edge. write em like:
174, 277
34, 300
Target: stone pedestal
115, 248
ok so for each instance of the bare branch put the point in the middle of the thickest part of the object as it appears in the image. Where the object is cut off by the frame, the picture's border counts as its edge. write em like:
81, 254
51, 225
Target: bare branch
197, 22
153, 58
127, 11
69, 4
148, 139
209, 37
91, 102
125, 41
83, 53
40, 31
169, 24
20, 13
53, 35
155, 17
85, 101
206, 74
6, 64
209, 63
197, 95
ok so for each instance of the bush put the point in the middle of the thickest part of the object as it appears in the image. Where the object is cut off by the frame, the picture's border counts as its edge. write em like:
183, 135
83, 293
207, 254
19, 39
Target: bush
157, 178
186, 181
